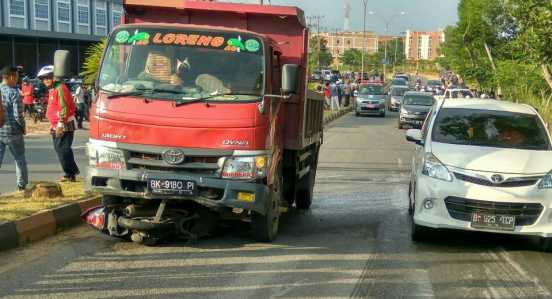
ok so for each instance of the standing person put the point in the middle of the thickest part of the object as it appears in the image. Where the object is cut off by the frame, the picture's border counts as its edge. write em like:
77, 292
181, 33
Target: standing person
11, 134
347, 90
80, 102
27, 91
334, 97
61, 113
327, 95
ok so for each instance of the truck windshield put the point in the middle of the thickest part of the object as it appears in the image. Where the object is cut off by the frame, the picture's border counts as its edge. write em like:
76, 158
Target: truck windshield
183, 64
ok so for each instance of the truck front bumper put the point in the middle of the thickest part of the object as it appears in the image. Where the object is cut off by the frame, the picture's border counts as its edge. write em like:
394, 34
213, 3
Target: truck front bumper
133, 184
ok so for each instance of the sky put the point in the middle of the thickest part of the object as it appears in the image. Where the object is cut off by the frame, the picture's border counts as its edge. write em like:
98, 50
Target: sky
420, 15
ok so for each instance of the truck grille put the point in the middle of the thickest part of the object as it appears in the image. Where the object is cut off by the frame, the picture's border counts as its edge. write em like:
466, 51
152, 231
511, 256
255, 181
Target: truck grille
155, 162
462, 209
510, 183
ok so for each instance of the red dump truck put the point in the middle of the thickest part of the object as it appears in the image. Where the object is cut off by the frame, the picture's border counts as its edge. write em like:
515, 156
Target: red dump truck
201, 114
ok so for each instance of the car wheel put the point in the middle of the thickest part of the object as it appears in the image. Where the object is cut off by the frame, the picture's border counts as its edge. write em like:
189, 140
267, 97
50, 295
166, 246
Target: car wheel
382, 114
546, 244
419, 233
357, 114
400, 126
410, 200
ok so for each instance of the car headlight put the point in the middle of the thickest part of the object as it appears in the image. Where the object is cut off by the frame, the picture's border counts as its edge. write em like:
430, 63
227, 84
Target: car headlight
404, 112
435, 169
546, 182
244, 167
106, 157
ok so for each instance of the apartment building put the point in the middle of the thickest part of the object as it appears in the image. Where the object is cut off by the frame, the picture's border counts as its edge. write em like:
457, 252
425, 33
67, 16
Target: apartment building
31, 30
423, 45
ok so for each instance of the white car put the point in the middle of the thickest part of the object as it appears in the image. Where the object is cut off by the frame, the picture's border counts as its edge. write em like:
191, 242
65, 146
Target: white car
482, 165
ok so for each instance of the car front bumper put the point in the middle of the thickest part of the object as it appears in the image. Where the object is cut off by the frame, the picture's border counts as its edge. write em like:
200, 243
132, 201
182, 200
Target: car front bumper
440, 215
133, 184
412, 120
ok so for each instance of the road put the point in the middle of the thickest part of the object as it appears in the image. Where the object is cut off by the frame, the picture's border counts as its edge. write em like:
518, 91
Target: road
42, 160
354, 242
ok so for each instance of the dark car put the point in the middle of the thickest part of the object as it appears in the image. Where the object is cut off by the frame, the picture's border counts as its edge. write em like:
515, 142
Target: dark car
434, 86
414, 108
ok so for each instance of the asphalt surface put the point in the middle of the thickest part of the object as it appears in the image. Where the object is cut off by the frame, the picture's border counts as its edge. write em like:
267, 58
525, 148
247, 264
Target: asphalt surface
42, 160
354, 242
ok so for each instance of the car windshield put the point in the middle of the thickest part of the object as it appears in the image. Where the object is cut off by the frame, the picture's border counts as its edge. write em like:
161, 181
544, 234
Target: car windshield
398, 92
399, 82
183, 64
418, 100
405, 78
370, 89
490, 128
434, 82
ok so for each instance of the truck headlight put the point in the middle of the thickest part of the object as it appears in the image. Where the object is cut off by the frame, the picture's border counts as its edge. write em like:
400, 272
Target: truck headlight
105, 157
244, 167
546, 182
435, 169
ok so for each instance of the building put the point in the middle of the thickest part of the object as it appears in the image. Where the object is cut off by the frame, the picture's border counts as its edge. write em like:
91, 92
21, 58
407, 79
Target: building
31, 30
339, 42
423, 45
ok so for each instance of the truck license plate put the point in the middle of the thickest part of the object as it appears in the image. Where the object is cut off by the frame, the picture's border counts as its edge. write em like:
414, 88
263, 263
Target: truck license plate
497, 222
171, 187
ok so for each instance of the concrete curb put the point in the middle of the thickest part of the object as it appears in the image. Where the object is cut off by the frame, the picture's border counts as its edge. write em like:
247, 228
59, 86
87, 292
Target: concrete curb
44, 224
337, 115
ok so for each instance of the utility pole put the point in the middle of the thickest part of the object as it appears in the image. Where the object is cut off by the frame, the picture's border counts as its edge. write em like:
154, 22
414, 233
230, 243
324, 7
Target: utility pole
395, 58
316, 19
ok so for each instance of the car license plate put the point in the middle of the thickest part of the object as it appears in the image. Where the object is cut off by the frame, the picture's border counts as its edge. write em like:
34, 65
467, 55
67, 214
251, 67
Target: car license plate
497, 222
171, 187
372, 106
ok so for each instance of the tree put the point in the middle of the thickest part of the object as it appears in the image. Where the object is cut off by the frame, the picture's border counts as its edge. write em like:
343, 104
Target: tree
534, 22
92, 61
352, 59
322, 52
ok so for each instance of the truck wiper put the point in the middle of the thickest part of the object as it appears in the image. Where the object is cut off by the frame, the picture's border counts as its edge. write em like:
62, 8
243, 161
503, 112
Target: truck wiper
151, 90
203, 99
113, 95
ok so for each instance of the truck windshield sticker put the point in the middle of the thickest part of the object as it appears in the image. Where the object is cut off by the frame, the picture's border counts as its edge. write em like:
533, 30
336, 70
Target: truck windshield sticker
212, 40
252, 45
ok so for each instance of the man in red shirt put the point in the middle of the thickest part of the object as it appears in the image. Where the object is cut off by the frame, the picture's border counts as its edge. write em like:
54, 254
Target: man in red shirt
27, 90
61, 113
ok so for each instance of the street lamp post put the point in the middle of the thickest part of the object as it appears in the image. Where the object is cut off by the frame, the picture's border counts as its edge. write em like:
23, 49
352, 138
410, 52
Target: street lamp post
388, 22
365, 2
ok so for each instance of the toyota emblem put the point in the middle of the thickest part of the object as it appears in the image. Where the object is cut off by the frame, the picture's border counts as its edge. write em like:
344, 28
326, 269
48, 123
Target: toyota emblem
497, 178
173, 156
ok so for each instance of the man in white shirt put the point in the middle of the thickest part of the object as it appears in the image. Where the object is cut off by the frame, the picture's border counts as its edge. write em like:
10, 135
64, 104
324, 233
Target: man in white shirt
80, 102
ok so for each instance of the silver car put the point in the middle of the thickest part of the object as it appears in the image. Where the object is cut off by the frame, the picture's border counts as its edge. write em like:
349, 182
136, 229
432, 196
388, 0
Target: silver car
396, 94
370, 100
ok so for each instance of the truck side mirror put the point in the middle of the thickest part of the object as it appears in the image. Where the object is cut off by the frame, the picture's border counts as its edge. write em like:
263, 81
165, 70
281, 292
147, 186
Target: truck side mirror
290, 78
62, 63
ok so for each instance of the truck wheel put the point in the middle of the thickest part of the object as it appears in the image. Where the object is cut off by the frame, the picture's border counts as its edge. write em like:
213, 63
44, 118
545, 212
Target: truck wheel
265, 227
303, 199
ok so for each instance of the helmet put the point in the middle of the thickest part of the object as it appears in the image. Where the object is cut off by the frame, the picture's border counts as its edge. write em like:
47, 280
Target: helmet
46, 71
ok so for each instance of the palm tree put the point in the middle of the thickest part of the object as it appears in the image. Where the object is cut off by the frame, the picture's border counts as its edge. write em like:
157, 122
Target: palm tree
92, 61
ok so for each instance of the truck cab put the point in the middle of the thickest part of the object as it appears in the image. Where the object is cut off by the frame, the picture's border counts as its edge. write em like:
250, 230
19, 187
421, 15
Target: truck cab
194, 119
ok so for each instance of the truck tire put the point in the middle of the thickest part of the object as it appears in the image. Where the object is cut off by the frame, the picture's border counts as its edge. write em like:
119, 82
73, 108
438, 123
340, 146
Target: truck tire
265, 227
303, 199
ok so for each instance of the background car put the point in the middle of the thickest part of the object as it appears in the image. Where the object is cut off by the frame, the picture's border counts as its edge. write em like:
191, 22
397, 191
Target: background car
396, 94
370, 100
433, 86
414, 108
482, 166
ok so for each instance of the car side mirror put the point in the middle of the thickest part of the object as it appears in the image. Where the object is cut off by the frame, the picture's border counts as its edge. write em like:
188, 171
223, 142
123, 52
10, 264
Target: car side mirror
414, 135
290, 78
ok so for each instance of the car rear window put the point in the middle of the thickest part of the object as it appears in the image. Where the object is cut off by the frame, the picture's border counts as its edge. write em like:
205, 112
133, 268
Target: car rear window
418, 100
398, 92
490, 128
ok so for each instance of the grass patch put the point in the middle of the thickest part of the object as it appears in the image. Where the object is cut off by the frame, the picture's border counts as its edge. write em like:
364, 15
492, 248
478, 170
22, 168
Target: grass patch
15, 205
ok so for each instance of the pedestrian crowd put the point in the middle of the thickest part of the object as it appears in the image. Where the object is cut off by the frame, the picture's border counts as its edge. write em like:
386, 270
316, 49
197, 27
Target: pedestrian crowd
65, 113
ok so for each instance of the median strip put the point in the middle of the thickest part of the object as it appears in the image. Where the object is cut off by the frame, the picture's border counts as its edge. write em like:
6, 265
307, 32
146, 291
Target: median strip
25, 218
